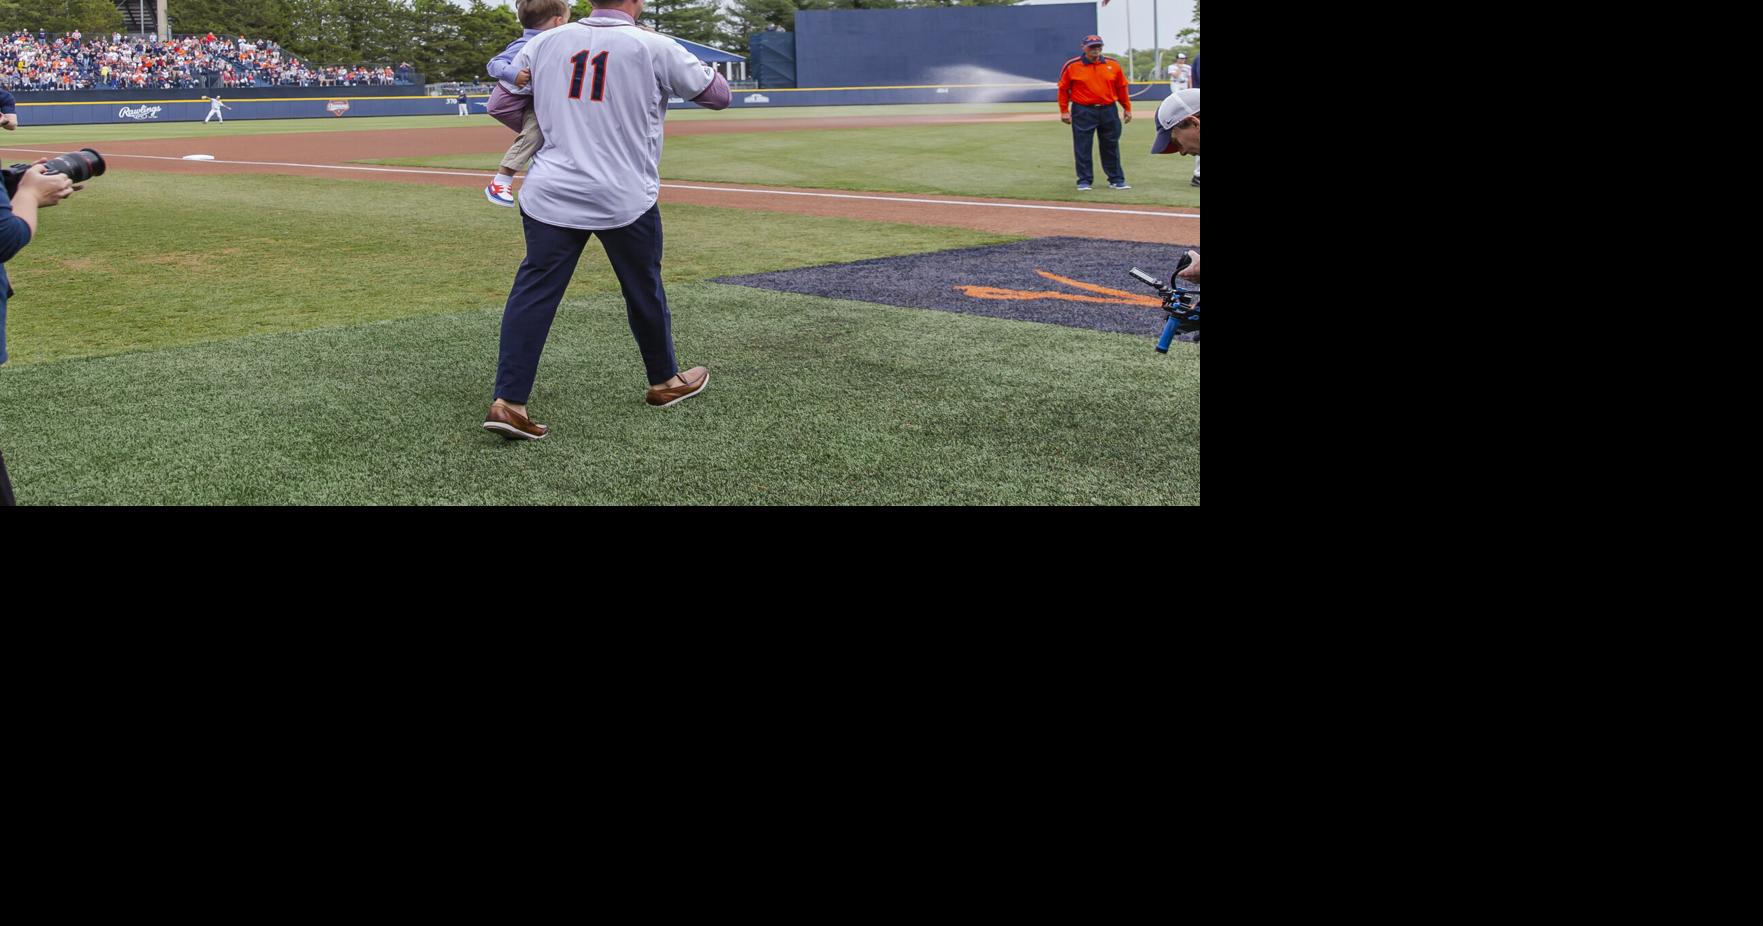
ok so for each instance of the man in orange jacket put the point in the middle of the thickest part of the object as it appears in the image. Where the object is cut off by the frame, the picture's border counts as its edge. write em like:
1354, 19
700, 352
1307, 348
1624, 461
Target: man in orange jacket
1093, 84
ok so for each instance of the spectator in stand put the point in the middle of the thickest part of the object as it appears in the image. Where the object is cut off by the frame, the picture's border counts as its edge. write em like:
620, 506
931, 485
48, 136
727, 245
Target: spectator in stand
28, 62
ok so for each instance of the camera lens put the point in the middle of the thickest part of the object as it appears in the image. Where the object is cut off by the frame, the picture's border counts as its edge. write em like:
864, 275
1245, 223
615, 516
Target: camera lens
79, 166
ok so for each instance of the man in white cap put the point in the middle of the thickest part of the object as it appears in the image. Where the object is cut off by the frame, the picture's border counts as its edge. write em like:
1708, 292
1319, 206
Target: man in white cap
1178, 132
1196, 85
1179, 72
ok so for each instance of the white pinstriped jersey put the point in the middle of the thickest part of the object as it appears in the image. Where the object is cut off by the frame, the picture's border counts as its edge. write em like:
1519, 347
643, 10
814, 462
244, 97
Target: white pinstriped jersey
600, 90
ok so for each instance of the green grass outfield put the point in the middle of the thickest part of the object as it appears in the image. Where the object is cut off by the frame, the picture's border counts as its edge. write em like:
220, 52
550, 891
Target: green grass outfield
256, 339
30, 136
37, 136
811, 401
1007, 160
1013, 160
143, 260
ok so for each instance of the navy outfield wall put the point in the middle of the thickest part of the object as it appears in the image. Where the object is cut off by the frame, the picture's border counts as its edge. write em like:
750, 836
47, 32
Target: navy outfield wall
188, 106
1143, 94
858, 48
242, 93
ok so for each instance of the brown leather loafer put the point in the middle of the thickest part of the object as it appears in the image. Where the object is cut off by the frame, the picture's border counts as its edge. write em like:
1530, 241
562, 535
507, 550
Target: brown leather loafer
695, 380
513, 425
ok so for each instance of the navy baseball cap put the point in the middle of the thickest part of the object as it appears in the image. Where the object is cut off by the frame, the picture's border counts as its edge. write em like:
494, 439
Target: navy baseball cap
1178, 106
1092, 40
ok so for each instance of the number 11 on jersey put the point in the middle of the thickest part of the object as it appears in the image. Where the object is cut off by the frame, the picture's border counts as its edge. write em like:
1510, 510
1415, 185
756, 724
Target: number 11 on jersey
581, 71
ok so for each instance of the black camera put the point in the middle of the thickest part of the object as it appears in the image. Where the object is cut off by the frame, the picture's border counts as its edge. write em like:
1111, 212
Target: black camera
1180, 299
79, 166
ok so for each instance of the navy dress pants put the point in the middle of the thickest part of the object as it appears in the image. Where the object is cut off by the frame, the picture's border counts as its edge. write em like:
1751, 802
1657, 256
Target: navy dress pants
551, 255
1103, 122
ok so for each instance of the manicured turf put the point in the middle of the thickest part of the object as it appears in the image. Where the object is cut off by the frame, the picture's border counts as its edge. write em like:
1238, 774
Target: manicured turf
1009, 160
1013, 160
139, 260
36, 136
875, 112
811, 401
255, 339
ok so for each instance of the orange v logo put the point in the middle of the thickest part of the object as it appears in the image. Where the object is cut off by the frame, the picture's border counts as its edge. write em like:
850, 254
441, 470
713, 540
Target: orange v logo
1113, 296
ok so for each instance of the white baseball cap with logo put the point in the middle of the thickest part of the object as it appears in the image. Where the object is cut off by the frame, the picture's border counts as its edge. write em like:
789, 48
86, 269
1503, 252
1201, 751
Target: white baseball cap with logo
1178, 106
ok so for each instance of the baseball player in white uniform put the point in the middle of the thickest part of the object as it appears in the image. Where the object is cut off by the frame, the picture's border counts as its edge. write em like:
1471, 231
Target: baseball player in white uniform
600, 91
214, 108
1180, 72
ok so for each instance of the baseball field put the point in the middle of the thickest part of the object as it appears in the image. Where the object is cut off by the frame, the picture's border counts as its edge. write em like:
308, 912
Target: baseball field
897, 304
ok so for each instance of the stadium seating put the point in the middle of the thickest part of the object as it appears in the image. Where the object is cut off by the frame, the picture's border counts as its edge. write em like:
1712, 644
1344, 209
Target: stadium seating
41, 61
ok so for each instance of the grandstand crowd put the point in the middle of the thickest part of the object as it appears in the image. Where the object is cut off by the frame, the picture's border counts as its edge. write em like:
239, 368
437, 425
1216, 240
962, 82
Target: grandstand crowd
75, 62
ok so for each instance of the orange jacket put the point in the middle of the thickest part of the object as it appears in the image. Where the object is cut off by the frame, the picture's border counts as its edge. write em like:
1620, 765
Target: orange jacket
1093, 84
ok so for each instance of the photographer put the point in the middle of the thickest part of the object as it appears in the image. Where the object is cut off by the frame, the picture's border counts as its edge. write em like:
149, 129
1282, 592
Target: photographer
8, 111
1178, 132
18, 224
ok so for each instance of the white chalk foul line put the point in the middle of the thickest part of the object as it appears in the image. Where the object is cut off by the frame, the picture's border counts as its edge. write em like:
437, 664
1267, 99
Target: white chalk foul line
671, 186
936, 202
382, 170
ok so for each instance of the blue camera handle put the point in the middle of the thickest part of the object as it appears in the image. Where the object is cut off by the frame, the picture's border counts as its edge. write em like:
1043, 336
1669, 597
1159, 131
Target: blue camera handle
1168, 335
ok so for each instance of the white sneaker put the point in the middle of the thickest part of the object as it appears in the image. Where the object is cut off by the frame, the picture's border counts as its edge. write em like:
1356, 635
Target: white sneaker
499, 193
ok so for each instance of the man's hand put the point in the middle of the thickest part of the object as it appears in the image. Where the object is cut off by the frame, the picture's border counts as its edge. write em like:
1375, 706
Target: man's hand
1065, 118
47, 189
524, 77
1126, 116
9, 122
1192, 273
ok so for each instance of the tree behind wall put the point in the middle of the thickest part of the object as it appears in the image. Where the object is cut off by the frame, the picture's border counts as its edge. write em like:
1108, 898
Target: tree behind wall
484, 31
693, 20
231, 18
436, 44
376, 30
85, 16
700, 21
745, 17
442, 41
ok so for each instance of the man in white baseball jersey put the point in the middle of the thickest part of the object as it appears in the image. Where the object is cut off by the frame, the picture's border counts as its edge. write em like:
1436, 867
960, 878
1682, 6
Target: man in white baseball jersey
1180, 72
214, 108
600, 91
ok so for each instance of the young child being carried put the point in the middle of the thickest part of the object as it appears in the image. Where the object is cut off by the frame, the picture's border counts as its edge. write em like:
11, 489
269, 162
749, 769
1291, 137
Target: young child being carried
511, 103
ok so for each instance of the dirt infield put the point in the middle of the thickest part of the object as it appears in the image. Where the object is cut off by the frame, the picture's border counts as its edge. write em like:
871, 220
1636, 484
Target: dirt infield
337, 155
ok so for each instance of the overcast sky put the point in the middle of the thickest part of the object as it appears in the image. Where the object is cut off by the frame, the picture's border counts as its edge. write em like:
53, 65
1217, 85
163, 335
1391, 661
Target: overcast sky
1172, 16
